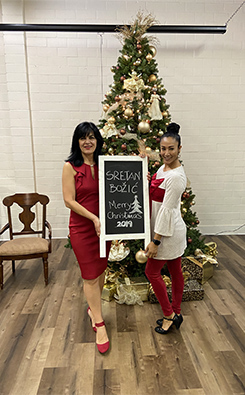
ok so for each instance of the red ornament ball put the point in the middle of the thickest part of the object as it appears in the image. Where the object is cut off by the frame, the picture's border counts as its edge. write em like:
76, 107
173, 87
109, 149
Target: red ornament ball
197, 221
123, 131
122, 78
124, 147
189, 240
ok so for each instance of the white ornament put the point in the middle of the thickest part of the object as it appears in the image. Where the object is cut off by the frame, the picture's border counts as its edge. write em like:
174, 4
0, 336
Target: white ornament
109, 130
133, 84
154, 110
118, 252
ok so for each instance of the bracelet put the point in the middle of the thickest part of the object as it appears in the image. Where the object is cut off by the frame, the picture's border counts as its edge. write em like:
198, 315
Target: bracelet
156, 242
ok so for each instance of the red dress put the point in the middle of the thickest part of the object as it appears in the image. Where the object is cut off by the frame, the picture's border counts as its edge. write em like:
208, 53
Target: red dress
84, 240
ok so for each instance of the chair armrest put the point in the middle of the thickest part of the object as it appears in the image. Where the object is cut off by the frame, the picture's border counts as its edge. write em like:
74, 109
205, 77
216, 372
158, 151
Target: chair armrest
47, 224
4, 228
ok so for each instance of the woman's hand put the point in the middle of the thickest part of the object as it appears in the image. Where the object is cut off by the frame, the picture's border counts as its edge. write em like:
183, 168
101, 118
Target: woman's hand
97, 226
149, 176
151, 250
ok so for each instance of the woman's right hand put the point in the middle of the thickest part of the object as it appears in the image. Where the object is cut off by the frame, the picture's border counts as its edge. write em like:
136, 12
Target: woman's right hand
97, 226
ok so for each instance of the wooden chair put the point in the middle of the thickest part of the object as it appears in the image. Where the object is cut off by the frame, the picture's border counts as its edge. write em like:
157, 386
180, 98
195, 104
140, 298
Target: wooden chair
26, 247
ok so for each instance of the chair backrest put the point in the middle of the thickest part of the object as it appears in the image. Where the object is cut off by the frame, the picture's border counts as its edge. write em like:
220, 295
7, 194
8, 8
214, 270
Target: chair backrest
26, 201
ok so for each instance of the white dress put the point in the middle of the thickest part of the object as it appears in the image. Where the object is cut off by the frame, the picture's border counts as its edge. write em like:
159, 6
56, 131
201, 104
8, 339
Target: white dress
165, 193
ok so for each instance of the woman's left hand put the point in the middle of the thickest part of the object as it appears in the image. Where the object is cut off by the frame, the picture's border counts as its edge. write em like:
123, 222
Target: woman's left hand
151, 250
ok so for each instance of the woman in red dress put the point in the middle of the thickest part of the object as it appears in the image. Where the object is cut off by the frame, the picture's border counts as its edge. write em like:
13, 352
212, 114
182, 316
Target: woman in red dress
81, 196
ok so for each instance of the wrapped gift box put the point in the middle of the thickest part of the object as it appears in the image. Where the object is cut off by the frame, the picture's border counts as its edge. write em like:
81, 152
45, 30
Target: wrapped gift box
192, 291
108, 292
199, 271
138, 284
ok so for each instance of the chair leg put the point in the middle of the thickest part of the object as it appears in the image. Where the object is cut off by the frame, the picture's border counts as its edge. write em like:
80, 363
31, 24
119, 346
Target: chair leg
1, 275
13, 266
45, 269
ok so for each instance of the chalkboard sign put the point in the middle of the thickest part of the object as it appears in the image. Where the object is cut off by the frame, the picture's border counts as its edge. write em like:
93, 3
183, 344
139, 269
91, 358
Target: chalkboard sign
124, 199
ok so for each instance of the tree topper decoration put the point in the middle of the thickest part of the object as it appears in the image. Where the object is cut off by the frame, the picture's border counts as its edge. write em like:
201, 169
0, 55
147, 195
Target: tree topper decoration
137, 28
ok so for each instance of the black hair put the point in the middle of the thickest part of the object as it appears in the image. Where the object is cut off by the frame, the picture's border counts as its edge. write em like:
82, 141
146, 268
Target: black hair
83, 130
173, 131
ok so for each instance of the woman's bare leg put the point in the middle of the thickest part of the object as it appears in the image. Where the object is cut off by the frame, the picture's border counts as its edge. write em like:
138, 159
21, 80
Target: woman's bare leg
92, 291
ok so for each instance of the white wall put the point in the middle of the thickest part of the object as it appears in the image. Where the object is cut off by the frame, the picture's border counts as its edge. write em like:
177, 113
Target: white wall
52, 81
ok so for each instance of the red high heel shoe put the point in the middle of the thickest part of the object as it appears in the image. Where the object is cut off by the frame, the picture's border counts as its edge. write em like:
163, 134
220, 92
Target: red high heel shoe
94, 328
102, 348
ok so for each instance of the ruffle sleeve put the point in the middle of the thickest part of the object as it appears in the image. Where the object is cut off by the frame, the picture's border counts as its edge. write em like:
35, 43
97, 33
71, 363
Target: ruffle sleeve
170, 207
164, 224
81, 173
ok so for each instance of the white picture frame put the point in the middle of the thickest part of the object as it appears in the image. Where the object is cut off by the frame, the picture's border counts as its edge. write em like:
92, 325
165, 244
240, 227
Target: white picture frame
121, 180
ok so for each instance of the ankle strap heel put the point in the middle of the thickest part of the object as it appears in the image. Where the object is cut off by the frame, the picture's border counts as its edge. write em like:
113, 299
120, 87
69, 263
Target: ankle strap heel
102, 348
102, 323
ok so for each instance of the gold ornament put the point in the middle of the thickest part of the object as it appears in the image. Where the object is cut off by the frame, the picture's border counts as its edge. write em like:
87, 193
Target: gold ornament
126, 57
160, 133
110, 150
149, 57
111, 120
165, 114
152, 78
106, 107
141, 257
153, 50
148, 150
144, 127
128, 112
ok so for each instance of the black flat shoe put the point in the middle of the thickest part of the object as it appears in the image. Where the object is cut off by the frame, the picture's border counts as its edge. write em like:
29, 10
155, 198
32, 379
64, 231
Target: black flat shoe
177, 320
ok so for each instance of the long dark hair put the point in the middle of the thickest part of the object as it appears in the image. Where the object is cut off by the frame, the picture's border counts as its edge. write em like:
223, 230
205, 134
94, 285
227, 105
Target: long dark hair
83, 130
173, 131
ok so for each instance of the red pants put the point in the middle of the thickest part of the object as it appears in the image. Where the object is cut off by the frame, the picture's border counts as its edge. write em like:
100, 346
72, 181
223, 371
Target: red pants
153, 273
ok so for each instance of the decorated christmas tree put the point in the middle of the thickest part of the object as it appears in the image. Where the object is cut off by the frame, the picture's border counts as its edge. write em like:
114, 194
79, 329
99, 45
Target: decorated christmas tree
135, 116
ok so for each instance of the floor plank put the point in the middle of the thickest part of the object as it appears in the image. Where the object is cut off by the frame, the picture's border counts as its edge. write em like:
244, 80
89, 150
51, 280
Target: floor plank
47, 345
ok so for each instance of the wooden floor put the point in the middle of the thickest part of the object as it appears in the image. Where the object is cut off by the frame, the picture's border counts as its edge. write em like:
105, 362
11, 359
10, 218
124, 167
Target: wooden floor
47, 345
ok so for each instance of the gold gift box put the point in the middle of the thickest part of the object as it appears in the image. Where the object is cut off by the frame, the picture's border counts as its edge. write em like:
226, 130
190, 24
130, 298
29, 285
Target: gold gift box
108, 292
138, 284
199, 271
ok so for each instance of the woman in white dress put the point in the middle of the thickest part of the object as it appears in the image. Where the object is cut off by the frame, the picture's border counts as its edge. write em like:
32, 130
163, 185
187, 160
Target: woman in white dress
168, 229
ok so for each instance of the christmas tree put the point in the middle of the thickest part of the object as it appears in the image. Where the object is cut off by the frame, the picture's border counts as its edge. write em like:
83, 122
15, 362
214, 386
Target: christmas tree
135, 116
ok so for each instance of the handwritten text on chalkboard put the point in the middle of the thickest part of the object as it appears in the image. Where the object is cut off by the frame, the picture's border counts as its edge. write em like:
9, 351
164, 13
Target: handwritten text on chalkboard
124, 197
